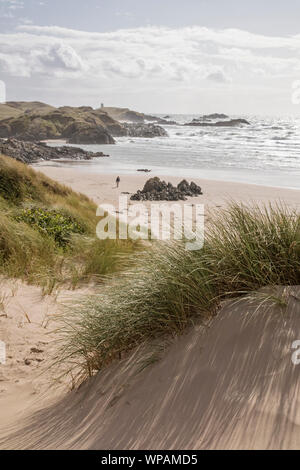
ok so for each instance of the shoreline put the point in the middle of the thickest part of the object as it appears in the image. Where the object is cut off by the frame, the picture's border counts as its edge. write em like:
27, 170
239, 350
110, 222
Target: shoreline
170, 161
101, 187
76, 165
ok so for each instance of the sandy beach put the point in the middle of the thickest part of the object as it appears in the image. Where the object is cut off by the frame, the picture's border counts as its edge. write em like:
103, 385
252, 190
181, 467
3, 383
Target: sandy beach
102, 188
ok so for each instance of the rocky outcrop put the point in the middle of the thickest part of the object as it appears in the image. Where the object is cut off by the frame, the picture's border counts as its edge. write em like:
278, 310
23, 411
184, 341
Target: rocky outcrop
166, 123
31, 152
229, 123
87, 133
210, 117
158, 190
215, 116
145, 130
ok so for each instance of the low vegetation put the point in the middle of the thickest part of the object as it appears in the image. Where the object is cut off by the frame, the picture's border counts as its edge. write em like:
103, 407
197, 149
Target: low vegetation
48, 232
51, 222
245, 249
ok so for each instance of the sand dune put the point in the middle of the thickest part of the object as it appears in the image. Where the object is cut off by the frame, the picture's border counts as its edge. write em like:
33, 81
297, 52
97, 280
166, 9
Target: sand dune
229, 384
27, 326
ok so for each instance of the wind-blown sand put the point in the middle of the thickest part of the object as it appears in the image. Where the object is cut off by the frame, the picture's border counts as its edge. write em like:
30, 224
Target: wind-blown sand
228, 385
231, 384
27, 326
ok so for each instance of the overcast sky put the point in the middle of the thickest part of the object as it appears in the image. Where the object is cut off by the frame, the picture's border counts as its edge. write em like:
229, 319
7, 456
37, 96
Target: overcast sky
166, 56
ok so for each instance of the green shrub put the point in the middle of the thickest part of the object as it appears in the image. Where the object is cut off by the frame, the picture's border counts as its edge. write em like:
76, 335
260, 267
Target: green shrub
53, 223
48, 232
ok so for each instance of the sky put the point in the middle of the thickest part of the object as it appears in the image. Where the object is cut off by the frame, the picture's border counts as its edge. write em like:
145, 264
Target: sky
160, 56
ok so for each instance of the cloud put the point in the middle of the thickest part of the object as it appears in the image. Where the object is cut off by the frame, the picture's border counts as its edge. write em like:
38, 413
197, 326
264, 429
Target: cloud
149, 58
176, 54
62, 56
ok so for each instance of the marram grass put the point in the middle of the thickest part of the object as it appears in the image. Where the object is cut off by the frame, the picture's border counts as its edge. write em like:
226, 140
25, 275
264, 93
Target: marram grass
48, 232
244, 250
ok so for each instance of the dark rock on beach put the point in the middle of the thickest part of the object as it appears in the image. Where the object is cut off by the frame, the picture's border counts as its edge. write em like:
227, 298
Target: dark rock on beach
31, 152
158, 190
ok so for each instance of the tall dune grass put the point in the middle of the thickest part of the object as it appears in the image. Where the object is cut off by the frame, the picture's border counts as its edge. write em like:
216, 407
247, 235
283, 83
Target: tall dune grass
245, 249
48, 232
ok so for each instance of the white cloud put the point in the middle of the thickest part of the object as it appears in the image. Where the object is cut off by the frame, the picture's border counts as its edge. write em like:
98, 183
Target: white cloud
62, 56
151, 58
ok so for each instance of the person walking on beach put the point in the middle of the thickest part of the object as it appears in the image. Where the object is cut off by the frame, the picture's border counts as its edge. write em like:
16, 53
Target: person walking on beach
118, 181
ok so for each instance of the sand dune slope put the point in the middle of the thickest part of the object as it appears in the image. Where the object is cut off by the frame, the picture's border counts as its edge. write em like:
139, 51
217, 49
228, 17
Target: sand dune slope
230, 384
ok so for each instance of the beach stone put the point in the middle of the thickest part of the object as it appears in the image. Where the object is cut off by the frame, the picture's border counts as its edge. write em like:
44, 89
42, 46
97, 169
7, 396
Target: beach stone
183, 186
195, 188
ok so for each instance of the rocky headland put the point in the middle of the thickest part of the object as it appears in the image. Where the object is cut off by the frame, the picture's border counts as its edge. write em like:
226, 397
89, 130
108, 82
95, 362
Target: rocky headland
75, 125
35, 121
128, 115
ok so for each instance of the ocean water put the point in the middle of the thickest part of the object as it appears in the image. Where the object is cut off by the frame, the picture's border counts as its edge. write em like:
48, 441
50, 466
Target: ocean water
266, 153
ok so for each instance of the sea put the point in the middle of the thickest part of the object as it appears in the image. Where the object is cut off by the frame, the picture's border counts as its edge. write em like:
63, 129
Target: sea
266, 152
